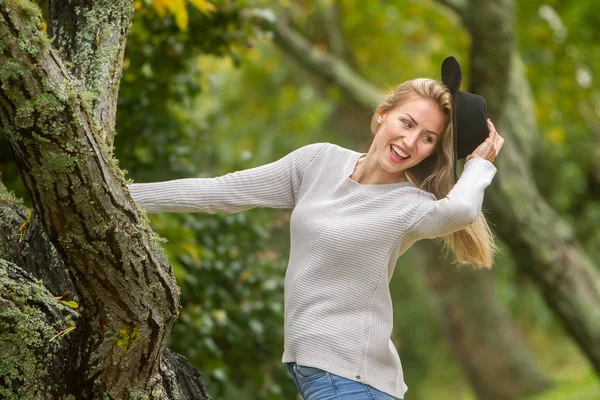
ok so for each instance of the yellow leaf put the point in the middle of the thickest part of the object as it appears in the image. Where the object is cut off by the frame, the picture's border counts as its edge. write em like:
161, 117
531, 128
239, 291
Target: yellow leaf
70, 303
178, 8
64, 332
204, 6
22, 227
137, 4
161, 7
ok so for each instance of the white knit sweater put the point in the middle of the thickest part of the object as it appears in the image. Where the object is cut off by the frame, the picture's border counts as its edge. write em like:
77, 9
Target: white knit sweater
345, 240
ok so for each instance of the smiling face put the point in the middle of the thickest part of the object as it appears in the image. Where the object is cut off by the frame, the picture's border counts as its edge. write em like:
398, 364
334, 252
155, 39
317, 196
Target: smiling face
408, 134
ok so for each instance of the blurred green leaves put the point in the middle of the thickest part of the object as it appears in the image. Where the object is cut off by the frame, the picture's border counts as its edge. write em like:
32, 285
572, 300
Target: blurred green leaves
231, 322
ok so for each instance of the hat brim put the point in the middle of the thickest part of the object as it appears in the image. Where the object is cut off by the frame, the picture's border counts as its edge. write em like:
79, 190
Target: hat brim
452, 78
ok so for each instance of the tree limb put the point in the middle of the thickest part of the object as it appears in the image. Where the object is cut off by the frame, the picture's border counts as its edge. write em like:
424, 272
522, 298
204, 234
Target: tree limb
330, 14
329, 67
128, 292
25, 243
91, 36
36, 330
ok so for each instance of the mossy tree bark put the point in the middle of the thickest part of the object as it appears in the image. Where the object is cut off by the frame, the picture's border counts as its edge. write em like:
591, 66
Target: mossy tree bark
494, 356
60, 124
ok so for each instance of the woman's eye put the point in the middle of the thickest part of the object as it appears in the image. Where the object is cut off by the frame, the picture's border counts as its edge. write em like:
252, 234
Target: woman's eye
428, 139
407, 124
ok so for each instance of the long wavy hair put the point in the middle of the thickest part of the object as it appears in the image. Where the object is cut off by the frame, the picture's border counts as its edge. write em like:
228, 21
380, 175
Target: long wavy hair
475, 244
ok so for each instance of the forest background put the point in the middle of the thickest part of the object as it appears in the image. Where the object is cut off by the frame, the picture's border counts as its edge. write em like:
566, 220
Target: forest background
213, 87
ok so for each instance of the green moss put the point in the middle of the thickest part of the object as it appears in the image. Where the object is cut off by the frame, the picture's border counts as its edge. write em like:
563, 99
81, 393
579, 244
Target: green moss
48, 105
39, 138
63, 163
31, 38
24, 115
25, 8
11, 69
133, 395
26, 351
87, 99
127, 336
8, 197
36, 45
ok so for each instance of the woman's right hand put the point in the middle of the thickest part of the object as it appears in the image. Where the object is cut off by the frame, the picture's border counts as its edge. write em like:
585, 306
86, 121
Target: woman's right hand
489, 149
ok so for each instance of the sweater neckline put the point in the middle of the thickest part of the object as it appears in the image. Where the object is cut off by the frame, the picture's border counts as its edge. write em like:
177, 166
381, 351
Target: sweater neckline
368, 187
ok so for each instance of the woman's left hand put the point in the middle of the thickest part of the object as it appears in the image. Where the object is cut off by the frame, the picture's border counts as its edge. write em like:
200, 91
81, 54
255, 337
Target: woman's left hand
489, 149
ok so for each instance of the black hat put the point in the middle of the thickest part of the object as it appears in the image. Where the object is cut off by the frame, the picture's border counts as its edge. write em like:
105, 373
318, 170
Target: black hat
469, 113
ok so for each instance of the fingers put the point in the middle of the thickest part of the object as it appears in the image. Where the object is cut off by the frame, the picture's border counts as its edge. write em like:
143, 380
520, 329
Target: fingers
493, 133
498, 141
490, 148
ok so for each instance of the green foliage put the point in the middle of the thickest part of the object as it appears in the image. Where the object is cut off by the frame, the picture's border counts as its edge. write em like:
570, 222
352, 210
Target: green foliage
231, 323
161, 78
558, 41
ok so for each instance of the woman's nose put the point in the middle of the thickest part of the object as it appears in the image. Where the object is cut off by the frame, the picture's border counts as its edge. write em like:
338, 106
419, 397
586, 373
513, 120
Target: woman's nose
410, 141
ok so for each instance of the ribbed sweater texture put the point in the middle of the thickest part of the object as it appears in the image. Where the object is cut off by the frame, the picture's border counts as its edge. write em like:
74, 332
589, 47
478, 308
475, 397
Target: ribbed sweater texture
345, 240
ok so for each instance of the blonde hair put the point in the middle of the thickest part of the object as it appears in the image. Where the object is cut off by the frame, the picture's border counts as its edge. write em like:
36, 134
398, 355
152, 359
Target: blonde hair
475, 244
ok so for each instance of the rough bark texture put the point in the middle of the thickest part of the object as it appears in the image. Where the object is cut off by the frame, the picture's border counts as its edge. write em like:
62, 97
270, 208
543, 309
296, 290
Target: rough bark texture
494, 356
91, 37
546, 245
35, 344
501, 342
24, 243
32, 363
129, 298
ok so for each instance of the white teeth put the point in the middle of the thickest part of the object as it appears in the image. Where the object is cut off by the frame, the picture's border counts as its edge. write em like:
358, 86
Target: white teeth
399, 152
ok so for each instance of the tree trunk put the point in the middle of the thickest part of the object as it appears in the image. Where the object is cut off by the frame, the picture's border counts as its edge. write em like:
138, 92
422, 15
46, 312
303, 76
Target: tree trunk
494, 356
546, 245
500, 342
36, 341
91, 36
128, 296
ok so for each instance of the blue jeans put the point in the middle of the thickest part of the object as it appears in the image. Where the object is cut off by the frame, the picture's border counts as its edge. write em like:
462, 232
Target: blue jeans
316, 384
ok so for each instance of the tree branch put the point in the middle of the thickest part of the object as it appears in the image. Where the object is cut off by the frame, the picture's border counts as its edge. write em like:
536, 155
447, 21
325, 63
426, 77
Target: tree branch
329, 67
330, 15
91, 36
37, 329
25, 244
128, 292
31, 322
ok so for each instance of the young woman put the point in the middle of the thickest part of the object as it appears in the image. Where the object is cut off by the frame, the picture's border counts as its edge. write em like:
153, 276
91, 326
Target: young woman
353, 216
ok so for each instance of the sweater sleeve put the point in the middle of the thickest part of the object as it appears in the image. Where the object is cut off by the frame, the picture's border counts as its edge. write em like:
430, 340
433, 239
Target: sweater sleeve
436, 218
273, 185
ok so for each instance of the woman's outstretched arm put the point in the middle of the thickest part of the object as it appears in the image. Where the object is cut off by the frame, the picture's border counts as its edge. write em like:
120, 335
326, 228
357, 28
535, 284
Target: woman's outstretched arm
273, 185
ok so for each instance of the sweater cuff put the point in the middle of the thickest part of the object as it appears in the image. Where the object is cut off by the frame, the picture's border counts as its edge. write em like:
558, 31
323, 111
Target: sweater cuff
481, 167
